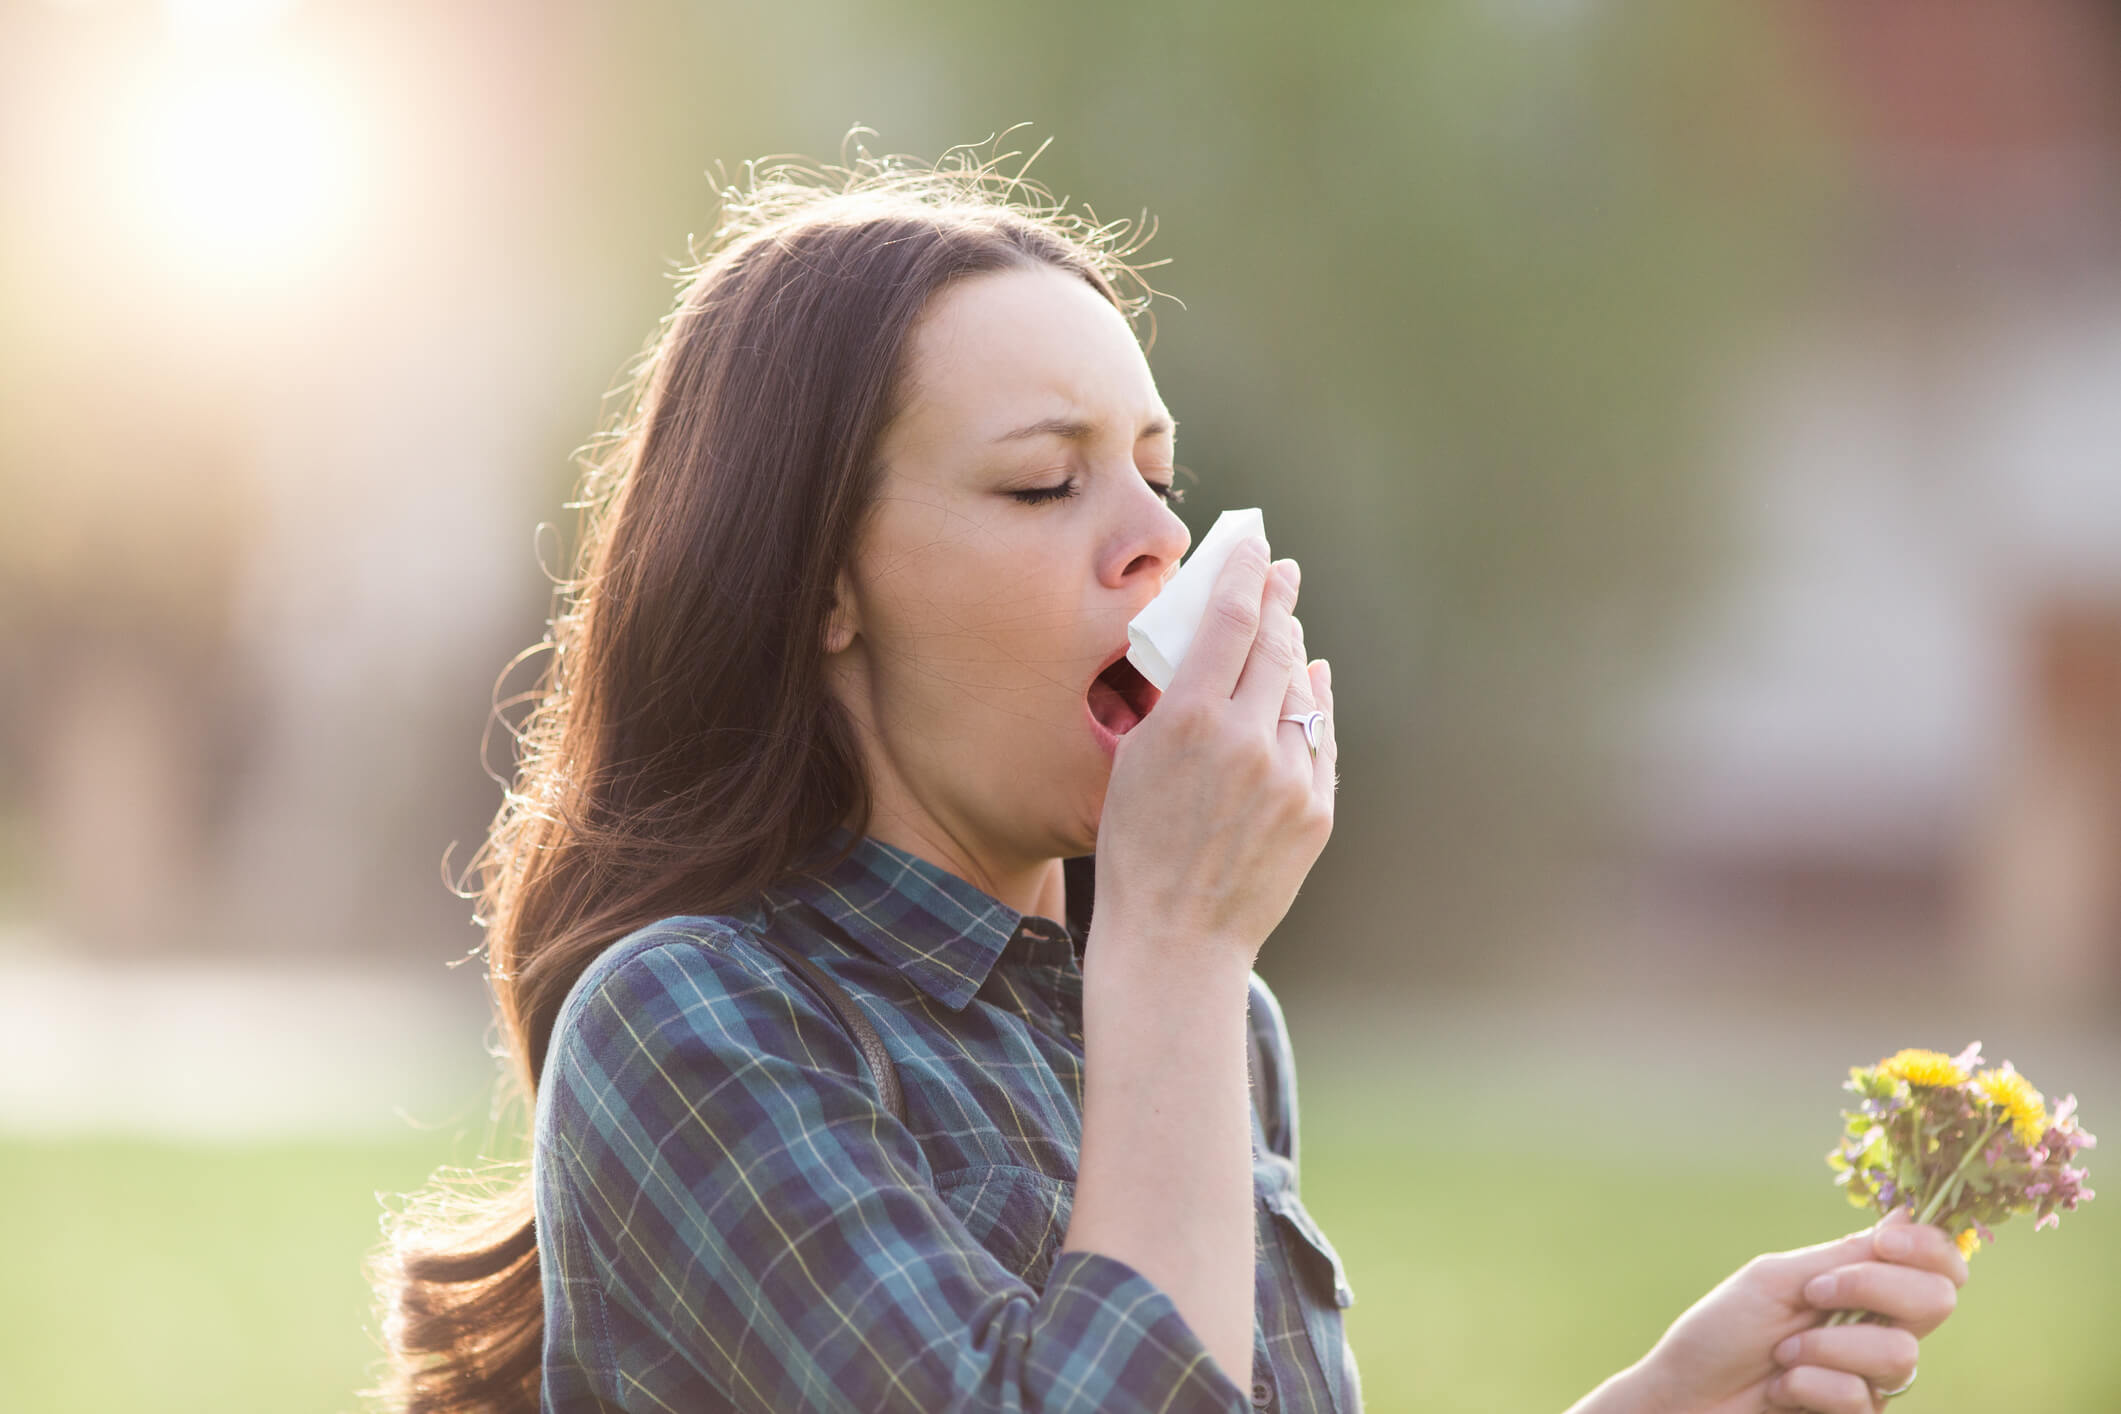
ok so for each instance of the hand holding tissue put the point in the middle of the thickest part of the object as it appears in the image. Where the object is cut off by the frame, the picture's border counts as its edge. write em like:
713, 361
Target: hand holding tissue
1160, 635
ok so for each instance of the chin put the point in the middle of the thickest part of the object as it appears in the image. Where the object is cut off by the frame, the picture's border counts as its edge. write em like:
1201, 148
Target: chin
1084, 838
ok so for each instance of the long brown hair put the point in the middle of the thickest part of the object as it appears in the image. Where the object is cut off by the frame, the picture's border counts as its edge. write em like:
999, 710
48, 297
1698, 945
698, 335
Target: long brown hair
683, 749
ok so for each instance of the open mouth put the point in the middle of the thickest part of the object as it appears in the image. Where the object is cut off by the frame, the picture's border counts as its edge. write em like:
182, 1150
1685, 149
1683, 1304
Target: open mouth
1120, 697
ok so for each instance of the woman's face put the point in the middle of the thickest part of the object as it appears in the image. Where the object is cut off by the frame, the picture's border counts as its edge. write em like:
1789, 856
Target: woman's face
1021, 522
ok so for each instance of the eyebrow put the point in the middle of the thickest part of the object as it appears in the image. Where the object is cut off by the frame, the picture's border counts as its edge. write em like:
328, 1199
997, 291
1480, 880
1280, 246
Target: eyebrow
1076, 430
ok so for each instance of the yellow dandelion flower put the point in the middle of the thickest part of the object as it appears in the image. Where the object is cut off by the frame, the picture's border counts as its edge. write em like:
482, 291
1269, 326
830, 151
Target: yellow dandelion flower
1968, 1241
1924, 1068
2012, 1093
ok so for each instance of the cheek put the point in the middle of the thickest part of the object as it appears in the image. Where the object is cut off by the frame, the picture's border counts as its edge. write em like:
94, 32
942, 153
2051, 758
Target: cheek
986, 618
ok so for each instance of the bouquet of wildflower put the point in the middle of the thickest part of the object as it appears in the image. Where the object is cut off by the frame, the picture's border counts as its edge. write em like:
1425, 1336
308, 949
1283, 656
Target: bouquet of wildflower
1956, 1147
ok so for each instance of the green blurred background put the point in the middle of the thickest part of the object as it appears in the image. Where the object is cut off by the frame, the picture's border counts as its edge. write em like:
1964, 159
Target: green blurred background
1697, 423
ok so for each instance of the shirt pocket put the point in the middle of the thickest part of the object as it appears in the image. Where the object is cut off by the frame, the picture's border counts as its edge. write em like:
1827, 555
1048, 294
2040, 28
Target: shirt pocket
1318, 1263
1322, 1294
1018, 1214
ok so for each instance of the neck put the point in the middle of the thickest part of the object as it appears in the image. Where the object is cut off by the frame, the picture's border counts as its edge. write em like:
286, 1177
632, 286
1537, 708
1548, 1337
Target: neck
1027, 885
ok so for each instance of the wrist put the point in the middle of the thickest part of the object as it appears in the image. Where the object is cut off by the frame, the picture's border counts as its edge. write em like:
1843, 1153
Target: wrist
1156, 957
1639, 1389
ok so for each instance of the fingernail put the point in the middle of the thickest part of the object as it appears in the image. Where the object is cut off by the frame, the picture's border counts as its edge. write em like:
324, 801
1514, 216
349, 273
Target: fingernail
1895, 1242
1819, 1291
1786, 1353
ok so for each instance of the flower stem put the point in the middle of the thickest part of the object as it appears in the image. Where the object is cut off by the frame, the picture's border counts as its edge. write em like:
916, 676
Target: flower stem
1949, 1189
1947, 1193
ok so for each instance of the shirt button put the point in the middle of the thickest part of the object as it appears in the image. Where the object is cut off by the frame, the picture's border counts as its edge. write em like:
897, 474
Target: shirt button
1262, 1395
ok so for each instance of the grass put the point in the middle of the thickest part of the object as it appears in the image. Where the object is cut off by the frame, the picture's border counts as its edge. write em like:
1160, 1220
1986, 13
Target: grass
1520, 1283
148, 1276
154, 1276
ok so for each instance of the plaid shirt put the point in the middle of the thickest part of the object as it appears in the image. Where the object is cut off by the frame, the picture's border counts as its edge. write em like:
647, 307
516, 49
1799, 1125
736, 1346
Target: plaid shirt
728, 1218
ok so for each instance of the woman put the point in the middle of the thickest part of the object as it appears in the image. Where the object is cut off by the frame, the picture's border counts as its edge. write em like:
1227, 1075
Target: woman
837, 717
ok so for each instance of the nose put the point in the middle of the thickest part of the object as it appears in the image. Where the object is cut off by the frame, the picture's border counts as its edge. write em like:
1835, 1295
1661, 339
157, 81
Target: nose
1149, 541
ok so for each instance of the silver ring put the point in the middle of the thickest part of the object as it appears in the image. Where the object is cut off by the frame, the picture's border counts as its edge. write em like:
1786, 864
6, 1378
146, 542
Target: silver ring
1309, 721
1889, 1393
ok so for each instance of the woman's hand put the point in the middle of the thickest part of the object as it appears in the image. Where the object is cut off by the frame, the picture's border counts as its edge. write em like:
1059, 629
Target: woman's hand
1213, 815
1754, 1342
1216, 809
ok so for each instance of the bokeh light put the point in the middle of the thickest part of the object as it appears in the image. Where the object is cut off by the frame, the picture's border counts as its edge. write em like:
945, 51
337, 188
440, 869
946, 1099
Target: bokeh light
247, 169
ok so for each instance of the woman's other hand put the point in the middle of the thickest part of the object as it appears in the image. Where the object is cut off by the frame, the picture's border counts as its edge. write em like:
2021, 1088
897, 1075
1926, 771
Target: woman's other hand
1755, 1341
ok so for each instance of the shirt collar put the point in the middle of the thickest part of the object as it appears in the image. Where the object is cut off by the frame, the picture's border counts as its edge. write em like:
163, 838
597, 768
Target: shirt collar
944, 933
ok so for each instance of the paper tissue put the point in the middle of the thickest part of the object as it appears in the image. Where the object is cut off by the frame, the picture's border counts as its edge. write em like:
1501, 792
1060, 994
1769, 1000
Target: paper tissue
1160, 635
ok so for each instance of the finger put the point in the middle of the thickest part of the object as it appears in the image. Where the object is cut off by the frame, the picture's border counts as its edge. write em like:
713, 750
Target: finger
1923, 1245
1298, 697
1297, 702
1800, 1264
1823, 1391
1917, 1299
1884, 1355
1327, 776
1224, 639
1272, 661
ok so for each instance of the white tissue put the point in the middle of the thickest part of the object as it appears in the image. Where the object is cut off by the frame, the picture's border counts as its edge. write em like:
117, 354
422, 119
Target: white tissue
1159, 636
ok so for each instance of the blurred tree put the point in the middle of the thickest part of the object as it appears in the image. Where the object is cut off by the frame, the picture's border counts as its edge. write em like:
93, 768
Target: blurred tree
1459, 282
1453, 289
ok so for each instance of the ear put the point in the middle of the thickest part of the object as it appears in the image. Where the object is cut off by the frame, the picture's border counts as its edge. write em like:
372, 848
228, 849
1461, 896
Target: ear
842, 625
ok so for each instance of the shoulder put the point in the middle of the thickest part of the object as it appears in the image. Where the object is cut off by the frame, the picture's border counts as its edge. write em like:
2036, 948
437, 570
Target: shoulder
666, 955
701, 984
689, 1027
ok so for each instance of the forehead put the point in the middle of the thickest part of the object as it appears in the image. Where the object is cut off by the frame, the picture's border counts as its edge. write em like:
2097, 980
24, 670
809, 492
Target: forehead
995, 350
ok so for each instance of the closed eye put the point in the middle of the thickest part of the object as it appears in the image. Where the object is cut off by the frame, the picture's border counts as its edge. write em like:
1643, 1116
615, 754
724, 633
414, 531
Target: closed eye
1039, 495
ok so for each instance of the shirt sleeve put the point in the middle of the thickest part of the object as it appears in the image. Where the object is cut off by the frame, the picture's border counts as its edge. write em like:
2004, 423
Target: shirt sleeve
744, 1196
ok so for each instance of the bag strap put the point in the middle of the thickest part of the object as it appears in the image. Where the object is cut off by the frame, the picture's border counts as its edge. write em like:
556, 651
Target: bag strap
1259, 1079
871, 1045
1273, 1100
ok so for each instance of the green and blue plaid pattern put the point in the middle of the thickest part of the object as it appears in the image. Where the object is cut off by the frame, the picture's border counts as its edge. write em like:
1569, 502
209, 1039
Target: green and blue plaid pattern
728, 1219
